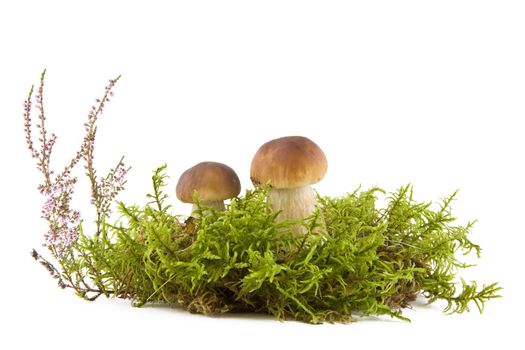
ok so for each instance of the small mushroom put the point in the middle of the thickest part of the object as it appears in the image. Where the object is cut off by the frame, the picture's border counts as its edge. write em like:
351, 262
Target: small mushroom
290, 165
213, 182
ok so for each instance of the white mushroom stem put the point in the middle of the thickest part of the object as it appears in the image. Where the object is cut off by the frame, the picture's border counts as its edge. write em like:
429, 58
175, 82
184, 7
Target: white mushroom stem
294, 203
217, 205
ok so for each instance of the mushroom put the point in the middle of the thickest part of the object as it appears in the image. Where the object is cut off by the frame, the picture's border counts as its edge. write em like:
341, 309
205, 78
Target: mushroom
290, 165
213, 182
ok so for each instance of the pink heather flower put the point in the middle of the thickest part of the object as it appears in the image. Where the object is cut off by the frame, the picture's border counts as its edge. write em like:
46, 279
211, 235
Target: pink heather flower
111, 185
63, 221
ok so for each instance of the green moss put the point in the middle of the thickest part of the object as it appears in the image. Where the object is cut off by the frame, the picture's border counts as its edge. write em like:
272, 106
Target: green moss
355, 259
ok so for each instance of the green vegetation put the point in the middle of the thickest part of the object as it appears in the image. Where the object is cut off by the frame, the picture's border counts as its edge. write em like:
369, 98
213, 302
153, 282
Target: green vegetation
355, 259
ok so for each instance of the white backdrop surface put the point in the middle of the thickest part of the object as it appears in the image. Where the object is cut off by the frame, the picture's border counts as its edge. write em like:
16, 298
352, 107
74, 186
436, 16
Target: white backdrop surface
430, 93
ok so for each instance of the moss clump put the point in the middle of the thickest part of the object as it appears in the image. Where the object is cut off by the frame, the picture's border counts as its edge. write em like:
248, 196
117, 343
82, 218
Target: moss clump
355, 259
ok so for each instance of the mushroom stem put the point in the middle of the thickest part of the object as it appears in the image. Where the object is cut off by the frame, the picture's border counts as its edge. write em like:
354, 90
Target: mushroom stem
294, 203
217, 205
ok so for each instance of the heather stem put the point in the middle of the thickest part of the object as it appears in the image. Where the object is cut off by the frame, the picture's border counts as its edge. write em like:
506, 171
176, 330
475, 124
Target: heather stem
90, 130
45, 150
27, 124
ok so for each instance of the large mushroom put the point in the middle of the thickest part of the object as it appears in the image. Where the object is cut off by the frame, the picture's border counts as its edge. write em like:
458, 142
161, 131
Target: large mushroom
213, 182
290, 165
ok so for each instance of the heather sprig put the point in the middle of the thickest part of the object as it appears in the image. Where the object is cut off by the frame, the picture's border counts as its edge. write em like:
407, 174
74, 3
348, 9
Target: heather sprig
109, 187
63, 221
86, 150
103, 189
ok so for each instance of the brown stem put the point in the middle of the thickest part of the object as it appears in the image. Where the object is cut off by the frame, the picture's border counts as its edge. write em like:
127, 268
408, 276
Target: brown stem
44, 156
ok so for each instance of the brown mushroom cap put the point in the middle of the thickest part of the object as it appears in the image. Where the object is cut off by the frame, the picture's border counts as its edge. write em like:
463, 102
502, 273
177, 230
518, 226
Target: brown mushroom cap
288, 162
212, 181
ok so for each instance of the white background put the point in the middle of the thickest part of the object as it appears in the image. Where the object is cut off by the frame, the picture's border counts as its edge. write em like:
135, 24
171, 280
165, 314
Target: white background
430, 93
